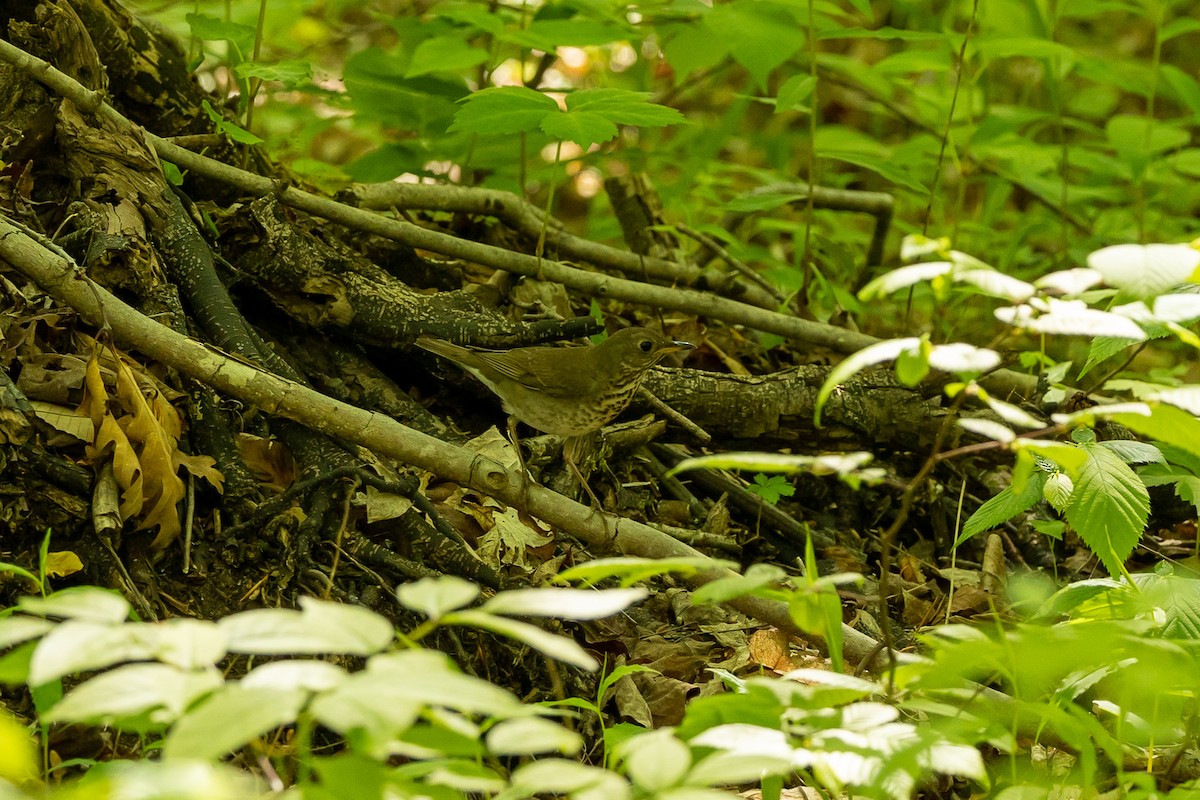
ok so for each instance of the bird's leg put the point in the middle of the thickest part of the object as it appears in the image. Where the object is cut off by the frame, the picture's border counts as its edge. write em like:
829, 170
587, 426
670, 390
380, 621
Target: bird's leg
516, 443
571, 446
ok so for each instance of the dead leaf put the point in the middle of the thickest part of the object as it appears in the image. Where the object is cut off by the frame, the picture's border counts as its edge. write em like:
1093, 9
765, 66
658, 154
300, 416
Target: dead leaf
769, 649
269, 460
64, 419
61, 563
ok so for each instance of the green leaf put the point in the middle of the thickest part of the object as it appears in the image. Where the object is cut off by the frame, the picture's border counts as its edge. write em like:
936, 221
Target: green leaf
1104, 347
211, 29
1178, 27
1178, 597
794, 93
320, 627
761, 36
1134, 452
81, 645
1184, 86
1109, 508
1137, 138
556, 776
390, 161
1003, 506
530, 735
557, 647
581, 127
81, 602
579, 604
880, 165
434, 597
578, 31
378, 90
290, 73
444, 54
230, 718
913, 365
757, 577
692, 47
855, 363
993, 47
17, 629
1167, 424
771, 488
142, 696
504, 110
655, 760
762, 201
631, 570
623, 107
230, 129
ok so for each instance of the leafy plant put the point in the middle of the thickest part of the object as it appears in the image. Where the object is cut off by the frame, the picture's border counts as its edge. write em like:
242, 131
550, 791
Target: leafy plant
771, 488
1090, 482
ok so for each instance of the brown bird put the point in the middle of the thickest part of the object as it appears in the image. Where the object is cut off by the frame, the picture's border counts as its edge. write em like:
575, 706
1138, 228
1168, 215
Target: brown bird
567, 391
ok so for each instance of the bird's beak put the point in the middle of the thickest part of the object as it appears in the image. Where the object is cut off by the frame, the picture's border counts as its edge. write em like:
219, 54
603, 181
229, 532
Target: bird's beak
677, 346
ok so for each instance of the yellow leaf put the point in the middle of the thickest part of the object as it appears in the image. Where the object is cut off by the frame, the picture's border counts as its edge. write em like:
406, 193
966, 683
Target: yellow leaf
62, 563
161, 486
18, 758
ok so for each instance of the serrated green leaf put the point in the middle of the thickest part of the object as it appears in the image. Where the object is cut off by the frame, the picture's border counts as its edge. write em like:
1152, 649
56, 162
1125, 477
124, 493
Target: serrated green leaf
504, 110
1178, 597
290, 73
584, 128
1003, 506
1103, 347
1167, 424
1109, 508
623, 107
1134, 452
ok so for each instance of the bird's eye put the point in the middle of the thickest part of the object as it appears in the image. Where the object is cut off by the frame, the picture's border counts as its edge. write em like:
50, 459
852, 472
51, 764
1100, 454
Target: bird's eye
645, 345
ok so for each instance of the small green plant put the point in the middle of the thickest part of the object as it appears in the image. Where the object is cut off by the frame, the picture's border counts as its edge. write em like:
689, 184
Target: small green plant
771, 488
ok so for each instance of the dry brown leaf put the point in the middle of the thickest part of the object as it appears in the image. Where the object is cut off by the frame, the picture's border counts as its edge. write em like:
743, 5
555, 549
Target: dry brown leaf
769, 649
64, 419
144, 447
161, 485
269, 460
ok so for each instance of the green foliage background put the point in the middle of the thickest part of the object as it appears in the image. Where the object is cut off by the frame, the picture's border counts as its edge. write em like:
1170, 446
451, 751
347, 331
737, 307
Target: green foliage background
1030, 133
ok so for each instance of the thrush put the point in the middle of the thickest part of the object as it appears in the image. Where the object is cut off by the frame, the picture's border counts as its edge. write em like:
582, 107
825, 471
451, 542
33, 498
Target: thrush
566, 391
